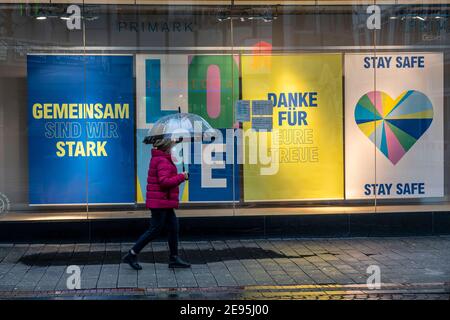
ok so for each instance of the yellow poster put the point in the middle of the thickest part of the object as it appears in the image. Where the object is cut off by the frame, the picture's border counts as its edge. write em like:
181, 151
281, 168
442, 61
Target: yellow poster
301, 157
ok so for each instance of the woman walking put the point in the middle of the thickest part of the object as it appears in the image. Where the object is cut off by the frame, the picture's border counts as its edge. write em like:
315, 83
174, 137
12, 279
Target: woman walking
161, 198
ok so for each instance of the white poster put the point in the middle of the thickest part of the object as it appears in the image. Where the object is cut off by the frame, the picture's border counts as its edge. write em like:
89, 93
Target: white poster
394, 125
161, 87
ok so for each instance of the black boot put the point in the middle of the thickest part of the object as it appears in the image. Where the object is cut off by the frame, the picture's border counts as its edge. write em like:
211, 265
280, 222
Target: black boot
177, 262
131, 259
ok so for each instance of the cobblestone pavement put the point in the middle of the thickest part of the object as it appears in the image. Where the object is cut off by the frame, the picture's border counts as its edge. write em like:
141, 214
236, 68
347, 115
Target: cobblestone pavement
411, 268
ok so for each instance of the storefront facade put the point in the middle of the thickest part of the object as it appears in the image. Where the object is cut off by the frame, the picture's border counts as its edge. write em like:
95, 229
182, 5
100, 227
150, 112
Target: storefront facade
319, 106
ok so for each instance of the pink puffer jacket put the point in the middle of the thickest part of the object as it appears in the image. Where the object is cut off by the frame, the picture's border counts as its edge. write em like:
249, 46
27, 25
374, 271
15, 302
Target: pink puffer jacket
162, 181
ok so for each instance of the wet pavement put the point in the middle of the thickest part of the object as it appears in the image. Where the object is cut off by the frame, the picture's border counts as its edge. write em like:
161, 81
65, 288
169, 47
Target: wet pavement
430, 291
410, 268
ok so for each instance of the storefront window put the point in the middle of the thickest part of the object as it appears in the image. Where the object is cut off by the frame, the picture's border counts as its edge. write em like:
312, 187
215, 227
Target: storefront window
319, 107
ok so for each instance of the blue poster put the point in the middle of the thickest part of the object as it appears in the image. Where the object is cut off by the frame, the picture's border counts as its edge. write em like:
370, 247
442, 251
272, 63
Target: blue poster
81, 129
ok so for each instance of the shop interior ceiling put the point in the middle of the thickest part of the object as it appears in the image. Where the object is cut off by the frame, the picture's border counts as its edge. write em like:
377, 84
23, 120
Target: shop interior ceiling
234, 7
233, 2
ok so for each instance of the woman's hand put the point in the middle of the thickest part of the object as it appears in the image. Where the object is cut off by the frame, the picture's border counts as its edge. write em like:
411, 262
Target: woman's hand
186, 175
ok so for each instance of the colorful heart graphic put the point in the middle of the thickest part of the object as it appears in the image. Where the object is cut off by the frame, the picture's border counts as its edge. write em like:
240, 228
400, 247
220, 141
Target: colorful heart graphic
394, 126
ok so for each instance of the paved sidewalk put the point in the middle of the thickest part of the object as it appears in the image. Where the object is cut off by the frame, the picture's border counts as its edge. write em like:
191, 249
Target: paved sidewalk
411, 268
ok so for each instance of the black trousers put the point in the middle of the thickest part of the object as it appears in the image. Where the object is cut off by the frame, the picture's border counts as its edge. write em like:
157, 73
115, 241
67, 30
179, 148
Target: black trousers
162, 220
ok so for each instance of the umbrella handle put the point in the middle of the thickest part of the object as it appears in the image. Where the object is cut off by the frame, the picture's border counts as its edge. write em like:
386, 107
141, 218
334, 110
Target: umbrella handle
182, 155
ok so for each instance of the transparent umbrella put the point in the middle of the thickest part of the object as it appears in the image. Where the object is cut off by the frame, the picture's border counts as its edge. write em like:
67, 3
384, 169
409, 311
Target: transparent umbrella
180, 127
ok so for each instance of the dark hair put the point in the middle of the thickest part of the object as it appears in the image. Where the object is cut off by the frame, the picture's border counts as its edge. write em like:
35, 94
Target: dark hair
162, 144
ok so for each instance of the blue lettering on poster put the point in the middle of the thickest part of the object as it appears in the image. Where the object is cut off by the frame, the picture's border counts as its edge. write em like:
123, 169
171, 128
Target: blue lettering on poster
387, 189
401, 62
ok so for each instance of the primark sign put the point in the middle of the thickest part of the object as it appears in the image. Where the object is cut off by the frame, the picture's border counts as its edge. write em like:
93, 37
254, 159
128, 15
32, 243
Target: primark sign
156, 26
73, 15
